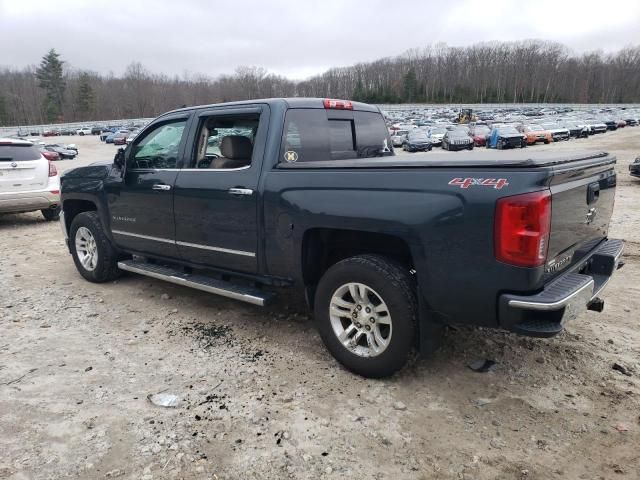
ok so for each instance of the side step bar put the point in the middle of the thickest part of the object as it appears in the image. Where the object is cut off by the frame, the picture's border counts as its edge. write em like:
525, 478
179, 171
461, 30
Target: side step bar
251, 295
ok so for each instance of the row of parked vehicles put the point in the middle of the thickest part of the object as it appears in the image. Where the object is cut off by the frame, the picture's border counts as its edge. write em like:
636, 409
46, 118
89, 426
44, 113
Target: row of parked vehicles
422, 130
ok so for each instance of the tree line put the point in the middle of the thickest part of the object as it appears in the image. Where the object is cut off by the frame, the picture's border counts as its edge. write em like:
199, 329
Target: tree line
502, 72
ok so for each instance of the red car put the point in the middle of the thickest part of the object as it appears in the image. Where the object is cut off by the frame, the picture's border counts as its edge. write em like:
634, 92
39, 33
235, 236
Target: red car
51, 156
50, 133
479, 134
120, 138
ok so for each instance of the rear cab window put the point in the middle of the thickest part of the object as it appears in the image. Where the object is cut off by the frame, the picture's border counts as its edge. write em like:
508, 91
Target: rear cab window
312, 135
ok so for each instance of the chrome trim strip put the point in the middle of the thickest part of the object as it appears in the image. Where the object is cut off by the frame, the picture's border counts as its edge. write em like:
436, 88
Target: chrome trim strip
186, 244
198, 286
526, 304
216, 249
246, 167
146, 237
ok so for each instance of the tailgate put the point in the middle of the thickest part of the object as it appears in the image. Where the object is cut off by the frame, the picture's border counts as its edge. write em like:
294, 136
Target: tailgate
582, 203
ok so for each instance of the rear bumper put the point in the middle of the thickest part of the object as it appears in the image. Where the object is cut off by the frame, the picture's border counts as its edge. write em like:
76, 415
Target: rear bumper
564, 298
30, 201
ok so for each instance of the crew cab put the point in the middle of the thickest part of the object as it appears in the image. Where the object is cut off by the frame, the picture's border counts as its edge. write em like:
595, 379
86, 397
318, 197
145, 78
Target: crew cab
307, 195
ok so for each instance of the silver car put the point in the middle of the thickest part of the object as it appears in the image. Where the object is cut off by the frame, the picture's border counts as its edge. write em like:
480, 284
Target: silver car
28, 181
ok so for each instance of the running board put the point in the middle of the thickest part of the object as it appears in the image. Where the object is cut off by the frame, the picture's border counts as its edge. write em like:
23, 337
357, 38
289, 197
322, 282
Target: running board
251, 295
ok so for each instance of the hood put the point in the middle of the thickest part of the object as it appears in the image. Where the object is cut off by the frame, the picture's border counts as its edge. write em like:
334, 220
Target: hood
95, 170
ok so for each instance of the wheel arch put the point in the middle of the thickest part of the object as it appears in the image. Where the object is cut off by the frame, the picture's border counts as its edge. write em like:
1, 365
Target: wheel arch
324, 247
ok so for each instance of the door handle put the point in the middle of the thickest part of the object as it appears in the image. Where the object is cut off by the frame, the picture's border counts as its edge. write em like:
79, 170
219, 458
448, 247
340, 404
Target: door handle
240, 191
161, 186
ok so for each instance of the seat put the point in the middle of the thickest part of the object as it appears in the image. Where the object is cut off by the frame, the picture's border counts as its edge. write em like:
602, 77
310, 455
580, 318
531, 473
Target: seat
236, 152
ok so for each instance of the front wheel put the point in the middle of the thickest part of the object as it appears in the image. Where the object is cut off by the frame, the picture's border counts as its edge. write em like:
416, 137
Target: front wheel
92, 252
366, 310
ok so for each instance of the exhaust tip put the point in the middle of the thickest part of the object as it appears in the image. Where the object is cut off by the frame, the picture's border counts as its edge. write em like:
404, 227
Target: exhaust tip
596, 305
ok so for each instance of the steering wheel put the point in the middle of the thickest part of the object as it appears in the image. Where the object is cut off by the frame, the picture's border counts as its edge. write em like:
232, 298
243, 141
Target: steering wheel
206, 162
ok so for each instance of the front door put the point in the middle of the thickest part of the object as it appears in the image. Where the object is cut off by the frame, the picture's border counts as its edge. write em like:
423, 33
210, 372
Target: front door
216, 198
142, 217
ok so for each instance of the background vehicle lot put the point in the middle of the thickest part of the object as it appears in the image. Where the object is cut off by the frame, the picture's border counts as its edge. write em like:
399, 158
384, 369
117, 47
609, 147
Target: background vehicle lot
264, 398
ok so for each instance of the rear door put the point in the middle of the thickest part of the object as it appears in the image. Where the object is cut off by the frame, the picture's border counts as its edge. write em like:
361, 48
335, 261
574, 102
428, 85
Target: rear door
141, 206
216, 198
22, 168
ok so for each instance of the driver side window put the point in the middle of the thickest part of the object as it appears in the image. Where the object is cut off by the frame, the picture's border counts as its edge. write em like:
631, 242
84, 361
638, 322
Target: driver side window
158, 149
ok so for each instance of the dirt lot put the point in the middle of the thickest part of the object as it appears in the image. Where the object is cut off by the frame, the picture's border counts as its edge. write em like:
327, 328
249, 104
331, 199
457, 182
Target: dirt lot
261, 398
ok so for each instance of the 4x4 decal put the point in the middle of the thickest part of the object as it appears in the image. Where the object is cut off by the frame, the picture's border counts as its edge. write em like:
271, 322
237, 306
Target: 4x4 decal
496, 183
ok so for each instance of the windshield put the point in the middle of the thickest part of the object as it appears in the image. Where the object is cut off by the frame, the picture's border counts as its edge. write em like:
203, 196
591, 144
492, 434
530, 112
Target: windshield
507, 130
437, 131
535, 127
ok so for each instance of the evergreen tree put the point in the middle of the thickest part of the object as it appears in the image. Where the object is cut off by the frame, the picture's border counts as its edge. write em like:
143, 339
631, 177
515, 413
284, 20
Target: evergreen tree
49, 73
359, 94
4, 113
410, 86
85, 99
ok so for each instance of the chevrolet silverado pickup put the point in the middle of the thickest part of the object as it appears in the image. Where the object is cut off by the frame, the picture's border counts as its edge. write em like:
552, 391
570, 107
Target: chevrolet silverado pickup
239, 198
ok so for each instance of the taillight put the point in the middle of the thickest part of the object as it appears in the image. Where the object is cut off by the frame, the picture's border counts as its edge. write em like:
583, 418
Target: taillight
53, 171
338, 104
522, 227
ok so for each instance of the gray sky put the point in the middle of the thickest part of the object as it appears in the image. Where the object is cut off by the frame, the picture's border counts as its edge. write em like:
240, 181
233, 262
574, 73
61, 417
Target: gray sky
296, 38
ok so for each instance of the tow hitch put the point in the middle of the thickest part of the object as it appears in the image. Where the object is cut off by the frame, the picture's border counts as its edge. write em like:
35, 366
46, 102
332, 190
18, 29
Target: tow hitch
597, 305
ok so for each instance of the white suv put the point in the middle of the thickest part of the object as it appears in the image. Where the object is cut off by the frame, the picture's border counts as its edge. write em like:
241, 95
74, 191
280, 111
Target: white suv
28, 181
83, 131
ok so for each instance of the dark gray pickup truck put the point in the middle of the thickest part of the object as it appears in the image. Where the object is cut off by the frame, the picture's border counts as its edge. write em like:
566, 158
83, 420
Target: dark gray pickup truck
238, 198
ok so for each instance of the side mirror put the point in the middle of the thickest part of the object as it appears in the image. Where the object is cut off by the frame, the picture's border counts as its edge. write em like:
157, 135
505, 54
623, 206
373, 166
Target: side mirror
119, 159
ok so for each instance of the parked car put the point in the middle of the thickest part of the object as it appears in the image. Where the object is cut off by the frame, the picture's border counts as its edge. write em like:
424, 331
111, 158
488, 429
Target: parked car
506, 137
384, 249
436, 134
120, 138
67, 131
631, 122
479, 134
457, 139
558, 132
96, 130
50, 133
397, 138
49, 155
72, 146
535, 133
104, 134
131, 136
634, 168
28, 181
64, 153
83, 131
417, 141
576, 130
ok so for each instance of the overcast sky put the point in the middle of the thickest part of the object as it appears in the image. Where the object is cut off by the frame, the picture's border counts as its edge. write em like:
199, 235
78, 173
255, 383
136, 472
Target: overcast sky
296, 38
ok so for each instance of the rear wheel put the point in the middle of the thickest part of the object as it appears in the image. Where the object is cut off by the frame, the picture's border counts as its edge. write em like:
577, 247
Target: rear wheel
51, 214
92, 252
366, 310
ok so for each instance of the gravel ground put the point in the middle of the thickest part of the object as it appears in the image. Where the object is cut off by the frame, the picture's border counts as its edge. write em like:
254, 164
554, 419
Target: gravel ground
259, 397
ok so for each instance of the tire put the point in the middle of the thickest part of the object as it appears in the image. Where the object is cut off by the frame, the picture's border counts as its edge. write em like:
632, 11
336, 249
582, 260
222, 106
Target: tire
523, 144
104, 268
387, 281
51, 214
500, 145
81, 134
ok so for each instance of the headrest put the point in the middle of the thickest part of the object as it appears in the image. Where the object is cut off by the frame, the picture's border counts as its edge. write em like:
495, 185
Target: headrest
236, 147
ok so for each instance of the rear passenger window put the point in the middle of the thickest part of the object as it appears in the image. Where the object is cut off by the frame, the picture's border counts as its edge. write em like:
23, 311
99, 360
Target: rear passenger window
312, 135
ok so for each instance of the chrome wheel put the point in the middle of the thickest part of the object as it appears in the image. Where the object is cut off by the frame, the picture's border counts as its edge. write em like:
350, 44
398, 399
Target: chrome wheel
86, 248
360, 319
